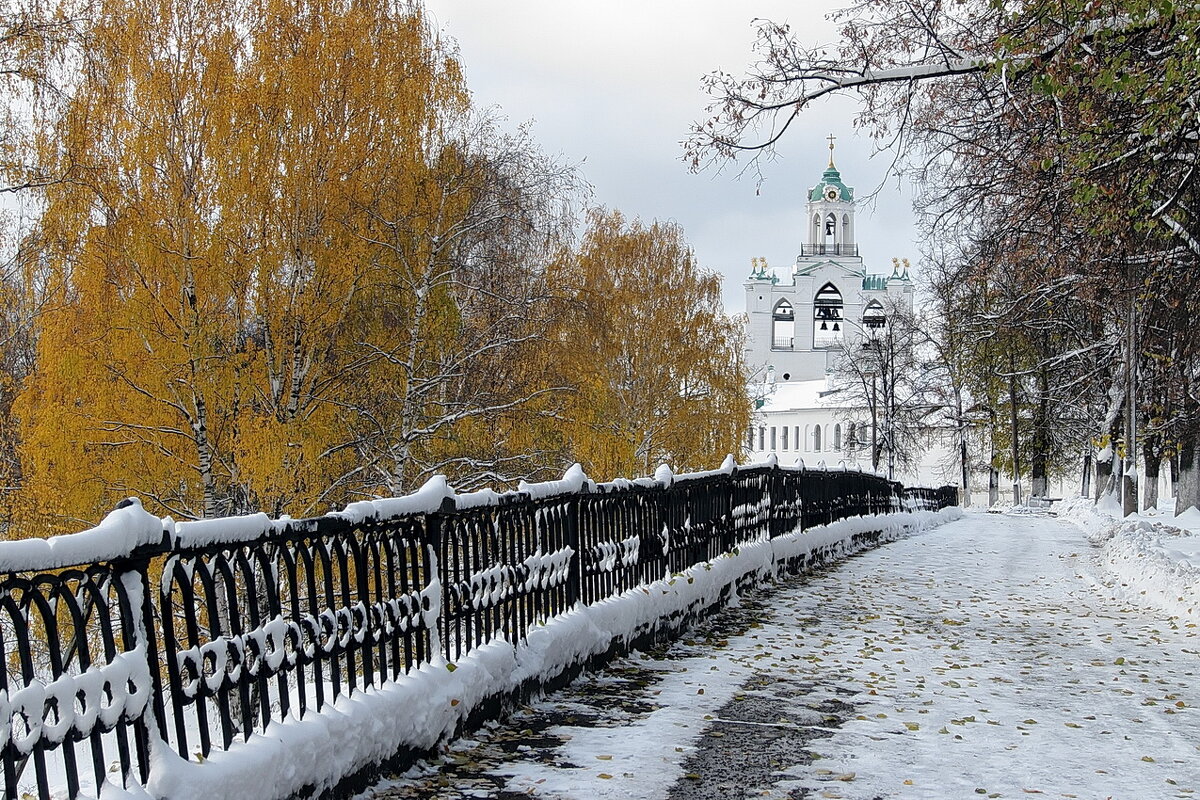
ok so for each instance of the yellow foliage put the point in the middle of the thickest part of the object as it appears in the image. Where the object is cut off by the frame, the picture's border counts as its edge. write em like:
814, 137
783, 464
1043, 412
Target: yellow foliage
215, 270
654, 364
288, 267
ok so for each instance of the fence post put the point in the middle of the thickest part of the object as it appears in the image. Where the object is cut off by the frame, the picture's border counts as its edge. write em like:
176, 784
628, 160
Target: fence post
725, 500
438, 544
775, 495
136, 612
805, 497
574, 566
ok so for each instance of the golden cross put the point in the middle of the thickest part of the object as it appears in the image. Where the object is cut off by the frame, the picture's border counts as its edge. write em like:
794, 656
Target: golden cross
831, 138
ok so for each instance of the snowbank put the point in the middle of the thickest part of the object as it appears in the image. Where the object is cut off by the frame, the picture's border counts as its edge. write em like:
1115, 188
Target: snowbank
1154, 561
429, 706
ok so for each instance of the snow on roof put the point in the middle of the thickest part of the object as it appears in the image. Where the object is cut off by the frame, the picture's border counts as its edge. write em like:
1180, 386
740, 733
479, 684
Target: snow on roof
799, 395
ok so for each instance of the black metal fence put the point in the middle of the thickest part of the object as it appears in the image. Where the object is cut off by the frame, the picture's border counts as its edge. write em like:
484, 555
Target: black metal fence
211, 634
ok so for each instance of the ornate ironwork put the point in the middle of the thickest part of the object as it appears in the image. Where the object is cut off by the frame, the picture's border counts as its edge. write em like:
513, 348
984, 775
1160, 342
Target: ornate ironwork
202, 642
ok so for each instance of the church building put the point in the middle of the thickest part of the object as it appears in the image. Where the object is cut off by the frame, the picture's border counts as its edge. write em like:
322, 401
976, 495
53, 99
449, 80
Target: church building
801, 320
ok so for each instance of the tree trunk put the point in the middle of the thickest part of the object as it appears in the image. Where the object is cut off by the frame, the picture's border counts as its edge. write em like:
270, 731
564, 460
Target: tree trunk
1117, 476
1086, 490
1187, 483
1104, 470
965, 494
1103, 474
1174, 463
993, 483
1129, 488
204, 457
1012, 404
1038, 467
1150, 469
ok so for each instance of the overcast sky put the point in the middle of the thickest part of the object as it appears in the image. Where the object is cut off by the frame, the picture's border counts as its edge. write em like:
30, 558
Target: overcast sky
616, 85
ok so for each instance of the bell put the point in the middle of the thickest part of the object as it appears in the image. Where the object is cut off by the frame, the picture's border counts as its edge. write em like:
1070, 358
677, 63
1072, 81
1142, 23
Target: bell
824, 325
836, 327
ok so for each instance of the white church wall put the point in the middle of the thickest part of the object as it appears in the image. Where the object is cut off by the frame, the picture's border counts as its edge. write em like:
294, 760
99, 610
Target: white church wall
793, 379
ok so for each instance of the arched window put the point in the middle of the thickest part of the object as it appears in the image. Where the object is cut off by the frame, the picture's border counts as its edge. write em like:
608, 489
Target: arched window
783, 326
831, 230
817, 438
837, 437
816, 230
851, 439
807, 440
827, 316
873, 316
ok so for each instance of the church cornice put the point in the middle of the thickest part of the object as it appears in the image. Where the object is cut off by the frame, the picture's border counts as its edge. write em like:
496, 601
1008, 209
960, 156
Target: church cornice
849, 271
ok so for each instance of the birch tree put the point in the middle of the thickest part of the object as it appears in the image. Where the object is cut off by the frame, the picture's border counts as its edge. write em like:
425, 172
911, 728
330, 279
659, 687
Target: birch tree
134, 349
654, 364
461, 251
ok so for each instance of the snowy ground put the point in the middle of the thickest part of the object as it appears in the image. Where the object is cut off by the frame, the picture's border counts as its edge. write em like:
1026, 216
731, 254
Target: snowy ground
1153, 557
998, 656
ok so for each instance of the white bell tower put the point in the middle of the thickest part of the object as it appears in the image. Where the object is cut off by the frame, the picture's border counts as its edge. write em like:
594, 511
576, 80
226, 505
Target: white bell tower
831, 214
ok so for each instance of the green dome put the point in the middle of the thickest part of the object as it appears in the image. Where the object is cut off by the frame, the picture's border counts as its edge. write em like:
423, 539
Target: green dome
832, 177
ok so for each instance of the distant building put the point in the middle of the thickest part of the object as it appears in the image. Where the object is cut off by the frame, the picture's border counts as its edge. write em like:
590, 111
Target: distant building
799, 324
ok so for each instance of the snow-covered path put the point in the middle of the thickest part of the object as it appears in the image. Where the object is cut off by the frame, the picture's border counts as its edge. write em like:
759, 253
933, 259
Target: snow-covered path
987, 657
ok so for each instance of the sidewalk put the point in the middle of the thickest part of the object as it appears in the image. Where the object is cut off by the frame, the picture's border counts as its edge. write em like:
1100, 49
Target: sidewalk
987, 657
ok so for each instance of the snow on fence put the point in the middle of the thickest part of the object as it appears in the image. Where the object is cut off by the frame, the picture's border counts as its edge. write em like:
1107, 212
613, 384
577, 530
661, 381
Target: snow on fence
145, 644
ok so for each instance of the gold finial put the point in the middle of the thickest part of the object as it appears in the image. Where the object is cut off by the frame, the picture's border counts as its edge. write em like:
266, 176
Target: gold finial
831, 137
